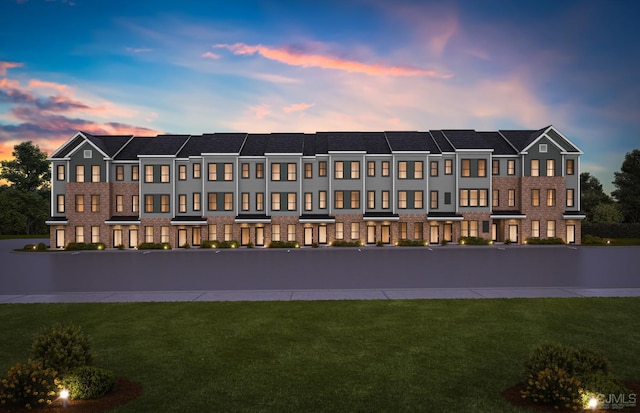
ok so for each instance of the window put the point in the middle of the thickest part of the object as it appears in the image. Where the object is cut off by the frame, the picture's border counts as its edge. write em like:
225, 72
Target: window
434, 200
88, 154
512, 197
228, 201
339, 170
371, 199
196, 201
60, 172
196, 171
213, 232
551, 167
469, 228
355, 230
371, 168
447, 198
308, 201
402, 230
79, 173
135, 172
79, 203
385, 199
570, 167
495, 198
448, 166
245, 201
402, 199
535, 167
135, 201
385, 168
228, 172
148, 203
275, 201
339, 200
535, 229
213, 171
542, 148
355, 170
483, 197
434, 168
291, 172
182, 172
308, 170
535, 197
60, 204
466, 167
551, 197
474, 197
245, 170
291, 201
291, 232
482, 167
495, 167
511, 167
95, 173
570, 197
259, 201
417, 200
95, 203
79, 234
275, 232
164, 173
355, 199
228, 232
182, 203
119, 203
339, 230
164, 234
418, 170
164, 203
275, 171
148, 173
213, 201
417, 230
95, 234
259, 170
322, 168
551, 229
322, 199
148, 234
119, 173
402, 170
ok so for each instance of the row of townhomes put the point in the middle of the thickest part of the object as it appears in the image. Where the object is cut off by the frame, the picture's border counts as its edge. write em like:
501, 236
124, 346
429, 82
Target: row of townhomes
375, 187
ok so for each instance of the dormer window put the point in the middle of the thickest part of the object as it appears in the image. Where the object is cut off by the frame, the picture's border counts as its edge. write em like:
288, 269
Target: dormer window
542, 148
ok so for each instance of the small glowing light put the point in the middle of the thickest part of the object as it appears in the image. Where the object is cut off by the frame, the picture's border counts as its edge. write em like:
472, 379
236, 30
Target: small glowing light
166, 247
396, 244
490, 242
525, 241
593, 403
608, 241
64, 394
462, 242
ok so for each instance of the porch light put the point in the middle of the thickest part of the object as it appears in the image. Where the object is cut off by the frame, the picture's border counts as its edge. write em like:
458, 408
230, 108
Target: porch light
100, 247
525, 241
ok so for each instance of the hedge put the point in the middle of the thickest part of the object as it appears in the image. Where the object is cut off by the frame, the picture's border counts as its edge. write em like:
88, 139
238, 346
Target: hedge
611, 230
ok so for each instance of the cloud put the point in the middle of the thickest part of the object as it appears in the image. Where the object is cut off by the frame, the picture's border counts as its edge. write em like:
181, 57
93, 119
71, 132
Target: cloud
297, 107
209, 55
4, 66
260, 111
138, 50
290, 56
40, 84
269, 77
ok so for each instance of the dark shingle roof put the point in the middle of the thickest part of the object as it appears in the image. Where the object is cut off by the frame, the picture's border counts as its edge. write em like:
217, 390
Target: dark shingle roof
69, 147
164, 145
520, 139
561, 141
411, 141
498, 143
441, 141
285, 143
133, 148
213, 143
369, 142
109, 144
255, 144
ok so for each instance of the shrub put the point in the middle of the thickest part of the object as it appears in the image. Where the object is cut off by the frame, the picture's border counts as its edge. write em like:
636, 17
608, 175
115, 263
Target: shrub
545, 241
120, 246
611, 230
208, 244
444, 242
89, 382
154, 246
41, 246
62, 347
507, 241
575, 361
410, 243
81, 246
592, 240
284, 244
379, 244
474, 241
186, 245
554, 386
342, 243
249, 244
314, 245
596, 384
29, 384
227, 244
29, 247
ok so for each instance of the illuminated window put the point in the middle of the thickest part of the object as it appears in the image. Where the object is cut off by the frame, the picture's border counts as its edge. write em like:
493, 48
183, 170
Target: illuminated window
402, 199
213, 201
79, 234
371, 199
164, 234
418, 170
339, 199
228, 172
385, 168
196, 171
570, 198
213, 232
511, 167
196, 201
339, 170
535, 197
182, 203
228, 232
119, 203
495, 167
418, 199
291, 232
434, 200
448, 166
551, 167
482, 167
148, 203
551, 197
417, 230
371, 168
148, 234
259, 201
135, 202
308, 201
551, 229
95, 234
434, 168
355, 170
385, 199
535, 167
164, 203
245, 170
291, 172
322, 168
495, 198
469, 228
535, 229
275, 232
245, 201
291, 201
466, 167
402, 170
275, 201
148, 173
275, 171
339, 230
135, 172
402, 227
95, 173
570, 167
355, 199
60, 203
322, 199
79, 173
79, 203
308, 170
182, 172
164, 173
60, 172
259, 170
228, 201
355, 230
213, 171
512, 197
119, 173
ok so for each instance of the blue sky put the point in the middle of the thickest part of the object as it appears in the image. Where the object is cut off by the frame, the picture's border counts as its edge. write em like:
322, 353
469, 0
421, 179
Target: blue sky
147, 67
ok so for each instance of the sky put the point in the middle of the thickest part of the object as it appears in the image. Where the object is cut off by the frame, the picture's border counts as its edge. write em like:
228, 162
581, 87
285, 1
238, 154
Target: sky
192, 67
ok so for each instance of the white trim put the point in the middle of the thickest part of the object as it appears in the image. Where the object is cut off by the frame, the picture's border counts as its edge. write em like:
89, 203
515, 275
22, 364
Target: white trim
475, 150
544, 135
521, 216
253, 220
506, 156
236, 154
412, 152
445, 218
579, 152
366, 219
282, 154
57, 222
345, 152
509, 142
156, 156
123, 146
177, 223
65, 144
116, 222
317, 220
70, 154
578, 217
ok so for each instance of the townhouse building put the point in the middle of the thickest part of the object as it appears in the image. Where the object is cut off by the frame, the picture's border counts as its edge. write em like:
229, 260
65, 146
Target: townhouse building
436, 186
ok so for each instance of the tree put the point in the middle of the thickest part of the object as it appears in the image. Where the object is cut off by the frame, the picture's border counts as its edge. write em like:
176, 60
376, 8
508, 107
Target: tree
607, 214
23, 212
591, 194
29, 171
627, 182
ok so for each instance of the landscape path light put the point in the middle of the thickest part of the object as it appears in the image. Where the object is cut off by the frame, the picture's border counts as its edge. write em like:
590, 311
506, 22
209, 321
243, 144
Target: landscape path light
64, 395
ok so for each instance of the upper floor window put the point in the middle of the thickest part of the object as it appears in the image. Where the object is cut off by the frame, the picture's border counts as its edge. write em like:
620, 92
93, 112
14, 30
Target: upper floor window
259, 170
228, 172
339, 170
434, 200
410, 199
386, 168
495, 198
474, 197
495, 167
322, 199
512, 198
164, 173
551, 167
355, 170
473, 167
434, 168
88, 153
60, 172
245, 170
135, 172
95, 173
79, 203
196, 201
119, 172
322, 168
275, 171
308, 170
511, 167
245, 201
535, 167
291, 172
182, 203
466, 167
570, 201
371, 199
386, 199
156, 203
482, 167
60, 204
551, 197
542, 148
570, 167
308, 201
448, 166
148, 173
182, 172
410, 170
371, 168
535, 197
95, 203
291, 201
79, 173
119, 203
196, 170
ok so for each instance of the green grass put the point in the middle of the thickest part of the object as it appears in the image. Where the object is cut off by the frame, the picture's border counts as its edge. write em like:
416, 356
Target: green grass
331, 356
24, 236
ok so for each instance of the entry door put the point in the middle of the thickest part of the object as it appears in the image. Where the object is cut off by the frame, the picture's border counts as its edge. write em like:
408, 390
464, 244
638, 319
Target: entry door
371, 234
308, 235
386, 234
322, 234
448, 232
260, 236
434, 234
244, 236
117, 237
494, 231
182, 237
196, 237
133, 238
59, 238
571, 234
513, 233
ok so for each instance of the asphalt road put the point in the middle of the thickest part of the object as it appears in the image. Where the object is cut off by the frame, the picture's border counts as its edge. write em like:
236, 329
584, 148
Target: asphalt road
451, 266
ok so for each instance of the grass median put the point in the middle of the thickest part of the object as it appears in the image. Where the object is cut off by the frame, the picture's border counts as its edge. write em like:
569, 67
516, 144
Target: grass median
329, 356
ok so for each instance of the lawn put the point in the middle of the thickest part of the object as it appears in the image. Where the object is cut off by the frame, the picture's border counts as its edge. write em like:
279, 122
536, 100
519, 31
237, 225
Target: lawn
331, 356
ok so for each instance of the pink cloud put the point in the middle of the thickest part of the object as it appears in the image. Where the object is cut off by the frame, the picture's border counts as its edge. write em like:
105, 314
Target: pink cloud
260, 111
40, 84
209, 55
297, 107
293, 57
9, 84
4, 66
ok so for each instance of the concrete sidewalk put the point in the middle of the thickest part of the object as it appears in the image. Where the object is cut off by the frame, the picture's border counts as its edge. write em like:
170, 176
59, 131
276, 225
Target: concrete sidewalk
305, 295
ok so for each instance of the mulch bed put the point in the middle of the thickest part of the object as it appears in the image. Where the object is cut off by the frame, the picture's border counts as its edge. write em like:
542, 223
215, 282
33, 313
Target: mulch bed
124, 393
514, 396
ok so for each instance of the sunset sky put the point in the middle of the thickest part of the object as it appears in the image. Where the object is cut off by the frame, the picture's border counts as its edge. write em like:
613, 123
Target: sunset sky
148, 67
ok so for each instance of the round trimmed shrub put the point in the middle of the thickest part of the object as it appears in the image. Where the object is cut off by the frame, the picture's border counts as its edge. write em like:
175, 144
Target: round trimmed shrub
41, 246
554, 386
29, 385
62, 347
89, 382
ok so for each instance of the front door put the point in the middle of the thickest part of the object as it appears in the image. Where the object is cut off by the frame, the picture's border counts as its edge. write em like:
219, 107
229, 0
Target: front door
434, 234
513, 233
59, 238
371, 234
322, 234
308, 235
133, 238
117, 238
494, 231
259, 236
182, 237
196, 238
448, 232
244, 236
386, 234
571, 234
